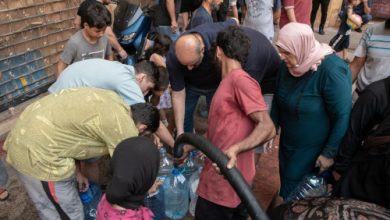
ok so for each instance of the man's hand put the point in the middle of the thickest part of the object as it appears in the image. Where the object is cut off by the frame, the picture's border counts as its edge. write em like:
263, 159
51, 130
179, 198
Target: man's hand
122, 53
82, 182
156, 141
186, 150
232, 155
174, 26
336, 175
324, 163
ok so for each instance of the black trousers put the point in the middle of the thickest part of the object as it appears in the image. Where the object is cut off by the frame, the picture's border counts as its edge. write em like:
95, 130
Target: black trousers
324, 11
206, 210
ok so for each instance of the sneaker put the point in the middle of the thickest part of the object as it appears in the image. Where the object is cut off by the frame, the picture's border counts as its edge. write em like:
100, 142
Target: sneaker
321, 31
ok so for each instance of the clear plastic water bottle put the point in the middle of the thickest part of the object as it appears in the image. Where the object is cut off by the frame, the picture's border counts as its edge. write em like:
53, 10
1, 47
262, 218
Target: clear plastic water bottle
176, 195
193, 183
312, 185
191, 165
90, 200
166, 164
155, 201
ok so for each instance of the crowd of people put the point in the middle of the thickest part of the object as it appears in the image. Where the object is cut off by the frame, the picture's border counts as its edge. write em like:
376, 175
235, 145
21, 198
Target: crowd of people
255, 86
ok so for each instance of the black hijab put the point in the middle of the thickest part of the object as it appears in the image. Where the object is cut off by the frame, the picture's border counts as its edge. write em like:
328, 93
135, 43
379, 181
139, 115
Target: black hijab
134, 167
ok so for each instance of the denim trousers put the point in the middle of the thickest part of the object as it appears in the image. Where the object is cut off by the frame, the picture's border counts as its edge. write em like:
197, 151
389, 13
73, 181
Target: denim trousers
192, 97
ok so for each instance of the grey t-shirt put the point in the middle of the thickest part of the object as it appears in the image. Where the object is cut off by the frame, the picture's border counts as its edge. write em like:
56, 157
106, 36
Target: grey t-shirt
259, 17
78, 48
375, 46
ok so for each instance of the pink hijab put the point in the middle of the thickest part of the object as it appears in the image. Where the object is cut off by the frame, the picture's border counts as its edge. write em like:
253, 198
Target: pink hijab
298, 39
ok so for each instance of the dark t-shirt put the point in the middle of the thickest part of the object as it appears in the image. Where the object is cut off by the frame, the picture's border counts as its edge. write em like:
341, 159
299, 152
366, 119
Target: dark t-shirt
161, 15
200, 16
263, 61
359, 9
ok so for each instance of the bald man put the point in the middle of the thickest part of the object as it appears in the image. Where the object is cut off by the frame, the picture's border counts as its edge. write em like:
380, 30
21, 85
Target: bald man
193, 71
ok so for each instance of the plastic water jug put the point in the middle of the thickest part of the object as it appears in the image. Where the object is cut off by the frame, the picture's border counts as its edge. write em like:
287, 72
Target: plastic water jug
176, 195
90, 200
155, 201
193, 183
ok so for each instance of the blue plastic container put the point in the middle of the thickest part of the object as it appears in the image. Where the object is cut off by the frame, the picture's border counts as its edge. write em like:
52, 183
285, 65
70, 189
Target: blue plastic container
90, 200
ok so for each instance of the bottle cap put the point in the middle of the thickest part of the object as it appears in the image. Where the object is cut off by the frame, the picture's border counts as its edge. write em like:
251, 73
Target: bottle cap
86, 197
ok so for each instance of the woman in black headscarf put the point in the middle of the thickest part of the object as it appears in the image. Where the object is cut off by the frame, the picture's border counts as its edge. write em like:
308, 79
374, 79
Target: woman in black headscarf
134, 166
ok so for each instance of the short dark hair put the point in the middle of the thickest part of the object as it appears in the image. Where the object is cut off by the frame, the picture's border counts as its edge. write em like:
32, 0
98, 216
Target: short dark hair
97, 15
147, 114
149, 68
234, 43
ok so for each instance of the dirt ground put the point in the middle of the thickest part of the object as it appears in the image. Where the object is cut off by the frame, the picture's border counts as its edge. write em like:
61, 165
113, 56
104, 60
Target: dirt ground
266, 182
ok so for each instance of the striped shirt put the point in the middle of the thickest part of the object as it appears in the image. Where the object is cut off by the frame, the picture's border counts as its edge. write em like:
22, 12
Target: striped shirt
375, 46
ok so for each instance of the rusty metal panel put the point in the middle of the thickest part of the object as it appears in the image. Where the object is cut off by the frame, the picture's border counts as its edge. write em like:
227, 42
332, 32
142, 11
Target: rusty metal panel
32, 35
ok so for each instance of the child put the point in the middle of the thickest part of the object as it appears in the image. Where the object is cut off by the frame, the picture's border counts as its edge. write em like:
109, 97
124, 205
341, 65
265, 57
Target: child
340, 42
162, 96
134, 167
90, 41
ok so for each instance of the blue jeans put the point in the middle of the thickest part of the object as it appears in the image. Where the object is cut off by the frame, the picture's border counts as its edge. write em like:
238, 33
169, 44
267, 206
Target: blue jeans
192, 97
168, 31
3, 174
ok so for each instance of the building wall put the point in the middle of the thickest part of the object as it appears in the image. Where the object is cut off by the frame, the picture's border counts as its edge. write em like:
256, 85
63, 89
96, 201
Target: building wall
32, 35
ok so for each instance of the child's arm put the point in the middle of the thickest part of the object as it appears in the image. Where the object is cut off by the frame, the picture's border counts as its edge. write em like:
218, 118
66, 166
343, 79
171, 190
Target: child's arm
114, 43
157, 59
352, 18
367, 9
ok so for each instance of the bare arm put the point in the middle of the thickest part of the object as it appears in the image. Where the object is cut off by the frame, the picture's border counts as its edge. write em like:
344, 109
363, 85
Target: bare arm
353, 18
355, 66
109, 57
178, 102
114, 42
367, 9
291, 14
235, 11
263, 132
171, 11
158, 60
164, 135
60, 67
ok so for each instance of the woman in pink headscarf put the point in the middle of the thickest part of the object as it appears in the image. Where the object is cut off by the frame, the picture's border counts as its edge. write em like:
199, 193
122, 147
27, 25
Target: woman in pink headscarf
311, 105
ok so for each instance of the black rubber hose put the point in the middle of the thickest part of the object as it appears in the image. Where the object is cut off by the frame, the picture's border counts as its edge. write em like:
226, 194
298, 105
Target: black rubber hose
232, 175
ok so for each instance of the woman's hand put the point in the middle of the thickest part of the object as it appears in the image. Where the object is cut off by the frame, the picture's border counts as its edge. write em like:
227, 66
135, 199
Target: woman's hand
324, 163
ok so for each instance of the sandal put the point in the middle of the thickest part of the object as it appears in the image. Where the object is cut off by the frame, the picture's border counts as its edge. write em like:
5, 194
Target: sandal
3, 194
